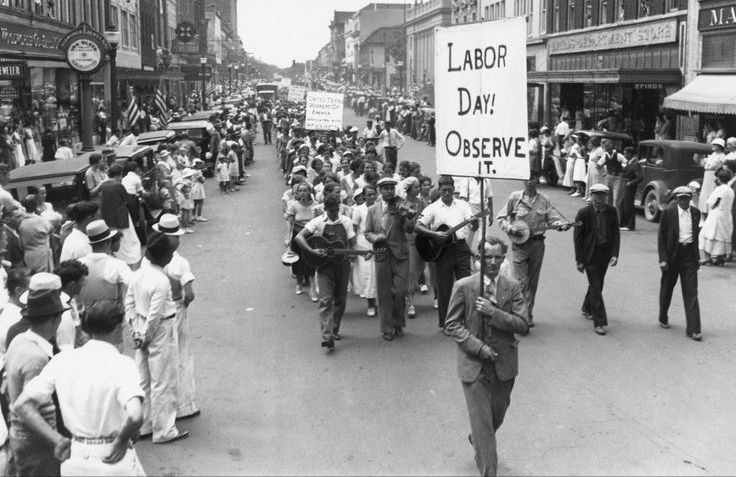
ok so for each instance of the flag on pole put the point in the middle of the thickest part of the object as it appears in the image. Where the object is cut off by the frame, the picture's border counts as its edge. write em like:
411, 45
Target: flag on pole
211, 88
160, 101
134, 112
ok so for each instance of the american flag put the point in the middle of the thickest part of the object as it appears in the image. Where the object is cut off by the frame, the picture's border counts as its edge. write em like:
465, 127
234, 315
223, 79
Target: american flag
163, 110
211, 88
134, 112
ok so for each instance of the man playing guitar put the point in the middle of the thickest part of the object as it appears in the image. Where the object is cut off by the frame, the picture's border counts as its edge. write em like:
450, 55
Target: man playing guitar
530, 208
454, 261
333, 277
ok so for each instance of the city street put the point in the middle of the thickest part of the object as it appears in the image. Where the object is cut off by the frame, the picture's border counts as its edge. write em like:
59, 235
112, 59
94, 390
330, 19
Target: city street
640, 400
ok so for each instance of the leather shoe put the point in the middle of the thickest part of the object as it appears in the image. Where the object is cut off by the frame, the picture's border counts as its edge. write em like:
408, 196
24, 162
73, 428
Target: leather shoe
399, 332
600, 330
695, 336
388, 336
180, 436
665, 326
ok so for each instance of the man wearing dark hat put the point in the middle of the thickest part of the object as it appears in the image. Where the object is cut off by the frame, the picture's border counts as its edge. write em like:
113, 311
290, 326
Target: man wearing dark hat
27, 355
100, 396
333, 278
597, 241
387, 226
150, 311
677, 242
533, 208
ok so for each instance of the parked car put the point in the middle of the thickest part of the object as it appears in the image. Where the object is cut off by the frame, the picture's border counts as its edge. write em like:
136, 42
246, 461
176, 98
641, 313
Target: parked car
154, 138
203, 115
667, 164
196, 131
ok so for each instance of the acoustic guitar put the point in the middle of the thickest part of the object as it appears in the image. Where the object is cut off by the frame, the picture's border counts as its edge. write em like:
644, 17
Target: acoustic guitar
336, 252
523, 232
431, 248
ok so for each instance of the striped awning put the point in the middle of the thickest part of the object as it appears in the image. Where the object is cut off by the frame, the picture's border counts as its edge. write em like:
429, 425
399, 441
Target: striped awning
714, 94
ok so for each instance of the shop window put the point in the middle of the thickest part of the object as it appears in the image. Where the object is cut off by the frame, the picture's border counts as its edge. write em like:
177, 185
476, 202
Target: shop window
719, 51
571, 15
603, 12
556, 21
487, 12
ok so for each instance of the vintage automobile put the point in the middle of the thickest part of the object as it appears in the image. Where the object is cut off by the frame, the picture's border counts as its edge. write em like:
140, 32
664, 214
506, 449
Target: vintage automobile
267, 90
154, 138
667, 164
204, 115
65, 182
196, 131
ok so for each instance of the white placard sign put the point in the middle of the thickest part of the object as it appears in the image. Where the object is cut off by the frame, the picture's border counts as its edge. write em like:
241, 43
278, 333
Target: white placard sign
285, 83
324, 111
480, 91
297, 92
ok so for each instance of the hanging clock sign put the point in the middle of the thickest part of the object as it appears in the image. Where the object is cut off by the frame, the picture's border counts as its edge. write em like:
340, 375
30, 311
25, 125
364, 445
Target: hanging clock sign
185, 32
85, 49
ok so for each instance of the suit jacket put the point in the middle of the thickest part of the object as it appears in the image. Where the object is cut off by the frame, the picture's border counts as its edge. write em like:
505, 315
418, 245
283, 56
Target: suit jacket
584, 236
668, 236
114, 204
465, 325
13, 248
374, 225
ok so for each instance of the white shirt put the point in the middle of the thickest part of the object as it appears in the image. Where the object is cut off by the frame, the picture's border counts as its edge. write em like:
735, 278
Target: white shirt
66, 333
469, 189
10, 316
393, 139
132, 183
562, 128
76, 245
64, 152
116, 271
437, 213
317, 225
180, 273
685, 220
93, 384
149, 297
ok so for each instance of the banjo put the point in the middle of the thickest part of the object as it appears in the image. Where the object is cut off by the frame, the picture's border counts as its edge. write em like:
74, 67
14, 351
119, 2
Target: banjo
522, 232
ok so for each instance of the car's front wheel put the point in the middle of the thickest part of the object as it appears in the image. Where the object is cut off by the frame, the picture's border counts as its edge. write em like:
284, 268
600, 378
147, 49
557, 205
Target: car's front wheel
651, 206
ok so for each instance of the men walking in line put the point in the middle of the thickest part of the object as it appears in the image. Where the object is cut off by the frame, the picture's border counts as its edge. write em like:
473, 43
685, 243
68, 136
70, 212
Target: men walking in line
150, 311
483, 323
454, 260
387, 225
266, 124
99, 395
597, 241
677, 242
332, 278
535, 210
391, 140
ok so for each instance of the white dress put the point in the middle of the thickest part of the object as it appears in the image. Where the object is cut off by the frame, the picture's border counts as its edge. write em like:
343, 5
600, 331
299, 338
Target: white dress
712, 163
715, 236
363, 274
579, 173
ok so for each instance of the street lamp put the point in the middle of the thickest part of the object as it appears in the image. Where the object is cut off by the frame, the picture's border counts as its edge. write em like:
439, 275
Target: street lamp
203, 62
113, 38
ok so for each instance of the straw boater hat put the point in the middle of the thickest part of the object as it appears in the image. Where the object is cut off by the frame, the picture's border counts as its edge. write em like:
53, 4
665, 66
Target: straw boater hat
289, 258
98, 231
718, 142
168, 224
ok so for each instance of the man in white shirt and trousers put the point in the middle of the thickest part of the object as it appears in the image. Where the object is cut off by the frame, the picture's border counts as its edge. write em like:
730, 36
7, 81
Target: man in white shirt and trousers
151, 313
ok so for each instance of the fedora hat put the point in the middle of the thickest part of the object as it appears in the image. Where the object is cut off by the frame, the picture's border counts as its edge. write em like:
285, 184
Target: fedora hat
289, 258
39, 282
43, 303
168, 224
98, 231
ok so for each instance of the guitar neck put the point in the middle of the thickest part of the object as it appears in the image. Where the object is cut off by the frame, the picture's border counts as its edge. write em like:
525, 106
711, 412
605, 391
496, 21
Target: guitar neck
347, 251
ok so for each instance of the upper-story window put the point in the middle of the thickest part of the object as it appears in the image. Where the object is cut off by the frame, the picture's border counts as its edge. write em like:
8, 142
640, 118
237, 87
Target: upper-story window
556, 20
543, 18
602, 12
125, 30
670, 5
530, 17
588, 13
571, 15
134, 32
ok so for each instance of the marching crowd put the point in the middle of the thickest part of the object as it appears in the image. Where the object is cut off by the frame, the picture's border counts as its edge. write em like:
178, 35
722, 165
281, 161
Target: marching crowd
87, 290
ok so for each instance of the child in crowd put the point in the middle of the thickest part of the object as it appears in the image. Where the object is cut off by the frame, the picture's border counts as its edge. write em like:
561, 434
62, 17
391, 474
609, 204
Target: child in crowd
223, 174
234, 172
186, 205
198, 194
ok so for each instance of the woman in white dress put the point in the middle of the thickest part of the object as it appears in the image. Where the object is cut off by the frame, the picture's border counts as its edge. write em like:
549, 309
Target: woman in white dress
579, 174
364, 282
30, 143
711, 165
715, 236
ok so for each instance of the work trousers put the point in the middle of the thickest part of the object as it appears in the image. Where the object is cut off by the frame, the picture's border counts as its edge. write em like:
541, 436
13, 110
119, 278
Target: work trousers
628, 211
157, 365
186, 390
392, 278
596, 272
616, 194
685, 267
391, 154
527, 260
453, 264
333, 289
487, 399
86, 459
266, 132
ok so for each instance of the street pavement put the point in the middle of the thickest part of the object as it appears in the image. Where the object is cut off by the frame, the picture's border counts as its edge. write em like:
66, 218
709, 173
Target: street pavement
640, 400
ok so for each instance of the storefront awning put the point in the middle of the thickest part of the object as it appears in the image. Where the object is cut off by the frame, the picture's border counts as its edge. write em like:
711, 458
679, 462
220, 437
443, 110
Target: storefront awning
606, 76
706, 94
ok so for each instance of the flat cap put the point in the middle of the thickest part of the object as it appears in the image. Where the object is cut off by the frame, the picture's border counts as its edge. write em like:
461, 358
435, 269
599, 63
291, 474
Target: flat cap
599, 188
682, 190
386, 181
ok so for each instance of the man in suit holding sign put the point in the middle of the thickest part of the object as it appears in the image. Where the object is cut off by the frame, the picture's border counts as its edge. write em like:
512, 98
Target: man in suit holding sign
526, 216
453, 262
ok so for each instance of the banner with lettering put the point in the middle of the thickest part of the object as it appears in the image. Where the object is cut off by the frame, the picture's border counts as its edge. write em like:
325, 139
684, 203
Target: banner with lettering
324, 111
297, 92
480, 91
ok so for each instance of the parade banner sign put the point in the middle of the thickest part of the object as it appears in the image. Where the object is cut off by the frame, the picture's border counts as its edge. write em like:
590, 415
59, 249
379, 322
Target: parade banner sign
297, 92
324, 111
480, 91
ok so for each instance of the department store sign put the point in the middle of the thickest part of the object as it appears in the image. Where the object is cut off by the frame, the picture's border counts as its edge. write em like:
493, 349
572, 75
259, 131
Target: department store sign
717, 18
619, 37
30, 40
